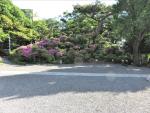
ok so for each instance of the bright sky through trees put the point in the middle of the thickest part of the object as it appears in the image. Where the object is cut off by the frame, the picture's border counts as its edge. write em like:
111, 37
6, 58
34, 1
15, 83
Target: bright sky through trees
53, 8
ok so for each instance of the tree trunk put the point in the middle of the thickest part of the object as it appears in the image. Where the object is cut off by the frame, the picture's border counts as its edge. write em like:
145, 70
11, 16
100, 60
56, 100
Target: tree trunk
99, 29
136, 50
136, 53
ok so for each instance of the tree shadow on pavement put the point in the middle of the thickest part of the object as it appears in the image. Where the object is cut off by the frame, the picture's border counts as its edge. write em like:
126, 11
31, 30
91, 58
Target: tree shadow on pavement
29, 85
102, 68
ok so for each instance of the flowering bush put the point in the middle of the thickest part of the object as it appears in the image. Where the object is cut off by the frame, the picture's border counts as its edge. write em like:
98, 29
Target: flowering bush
44, 51
56, 41
63, 38
26, 51
42, 43
55, 50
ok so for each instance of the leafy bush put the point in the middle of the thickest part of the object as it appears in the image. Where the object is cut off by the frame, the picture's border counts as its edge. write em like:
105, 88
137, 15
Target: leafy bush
124, 59
60, 49
79, 57
38, 52
69, 57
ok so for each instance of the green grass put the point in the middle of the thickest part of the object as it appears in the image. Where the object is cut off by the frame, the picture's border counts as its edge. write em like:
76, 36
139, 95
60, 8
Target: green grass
1, 62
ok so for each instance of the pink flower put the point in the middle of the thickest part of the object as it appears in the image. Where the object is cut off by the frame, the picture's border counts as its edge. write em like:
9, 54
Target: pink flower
22, 47
30, 45
62, 38
42, 43
55, 41
26, 51
52, 51
59, 54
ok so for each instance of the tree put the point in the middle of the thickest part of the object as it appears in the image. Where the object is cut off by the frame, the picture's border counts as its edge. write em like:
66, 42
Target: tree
41, 27
98, 12
14, 22
54, 27
133, 23
91, 21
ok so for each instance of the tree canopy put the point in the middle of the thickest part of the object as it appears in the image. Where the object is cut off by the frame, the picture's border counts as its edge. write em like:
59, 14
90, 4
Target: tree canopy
120, 32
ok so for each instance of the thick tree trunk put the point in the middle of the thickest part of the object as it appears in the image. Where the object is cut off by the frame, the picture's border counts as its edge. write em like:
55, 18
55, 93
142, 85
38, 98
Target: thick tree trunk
136, 53
136, 50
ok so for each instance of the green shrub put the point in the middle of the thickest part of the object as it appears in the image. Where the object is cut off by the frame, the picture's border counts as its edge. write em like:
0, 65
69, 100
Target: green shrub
69, 57
39, 55
79, 57
124, 59
86, 57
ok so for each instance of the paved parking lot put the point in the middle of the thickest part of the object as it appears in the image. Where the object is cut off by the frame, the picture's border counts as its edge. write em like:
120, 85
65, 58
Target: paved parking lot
29, 93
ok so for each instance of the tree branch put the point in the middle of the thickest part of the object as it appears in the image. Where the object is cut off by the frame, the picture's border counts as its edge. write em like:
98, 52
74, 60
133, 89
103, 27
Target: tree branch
99, 29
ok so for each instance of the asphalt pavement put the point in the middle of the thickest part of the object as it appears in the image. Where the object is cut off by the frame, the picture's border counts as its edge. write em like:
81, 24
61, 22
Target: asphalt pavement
30, 93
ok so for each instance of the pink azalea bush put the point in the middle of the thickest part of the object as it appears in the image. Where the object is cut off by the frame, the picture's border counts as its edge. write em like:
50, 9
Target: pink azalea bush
42, 43
55, 41
59, 54
62, 38
54, 50
44, 50
26, 51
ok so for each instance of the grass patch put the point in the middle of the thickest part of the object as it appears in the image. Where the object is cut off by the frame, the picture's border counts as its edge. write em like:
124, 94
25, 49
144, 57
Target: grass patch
1, 62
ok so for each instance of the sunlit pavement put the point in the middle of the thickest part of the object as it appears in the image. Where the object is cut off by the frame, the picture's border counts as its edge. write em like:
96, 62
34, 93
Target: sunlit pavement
103, 88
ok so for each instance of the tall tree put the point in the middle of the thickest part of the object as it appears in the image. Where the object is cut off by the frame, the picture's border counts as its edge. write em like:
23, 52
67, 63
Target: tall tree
14, 22
98, 12
134, 23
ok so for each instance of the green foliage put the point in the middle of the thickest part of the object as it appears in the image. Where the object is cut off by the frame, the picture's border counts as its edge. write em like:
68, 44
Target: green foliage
135, 14
6, 22
39, 55
15, 23
54, 27
3, 35
69, 57
95, 32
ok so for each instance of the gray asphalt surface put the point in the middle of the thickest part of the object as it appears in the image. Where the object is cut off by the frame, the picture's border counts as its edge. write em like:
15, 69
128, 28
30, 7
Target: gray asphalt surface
80, 68
28, 93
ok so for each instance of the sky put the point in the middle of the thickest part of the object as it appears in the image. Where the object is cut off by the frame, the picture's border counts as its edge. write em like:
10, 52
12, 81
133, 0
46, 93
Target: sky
45, 9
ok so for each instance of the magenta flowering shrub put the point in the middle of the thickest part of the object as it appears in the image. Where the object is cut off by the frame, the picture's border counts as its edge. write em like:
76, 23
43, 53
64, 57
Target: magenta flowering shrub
42, 43
62, 38
26, 51
59, 54
46, 50
55, 50
56, 41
